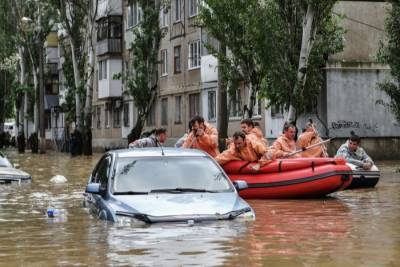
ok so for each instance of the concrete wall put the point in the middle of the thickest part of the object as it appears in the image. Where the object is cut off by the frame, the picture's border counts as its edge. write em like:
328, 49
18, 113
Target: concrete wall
352, 96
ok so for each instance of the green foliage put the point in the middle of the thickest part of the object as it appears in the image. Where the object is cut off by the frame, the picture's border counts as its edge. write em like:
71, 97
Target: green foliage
389, 53
264, 38
282, 78
141, 77
242, 27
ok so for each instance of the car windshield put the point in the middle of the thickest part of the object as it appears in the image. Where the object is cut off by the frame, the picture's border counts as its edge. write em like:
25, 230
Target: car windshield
4, 162
168, 174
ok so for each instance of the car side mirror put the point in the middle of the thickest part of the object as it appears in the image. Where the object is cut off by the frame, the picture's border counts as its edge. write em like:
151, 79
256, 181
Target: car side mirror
240, 185
93, 188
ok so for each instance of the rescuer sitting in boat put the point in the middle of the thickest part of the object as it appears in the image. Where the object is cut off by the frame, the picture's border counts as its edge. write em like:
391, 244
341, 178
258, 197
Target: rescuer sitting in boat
354, 154
309, 138
203, 136
247, 127
286, 143
156, 139
247, 149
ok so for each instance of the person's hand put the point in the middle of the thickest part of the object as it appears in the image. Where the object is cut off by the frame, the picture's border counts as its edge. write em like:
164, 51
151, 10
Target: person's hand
367, 165
256, 167
199, 132
228, 141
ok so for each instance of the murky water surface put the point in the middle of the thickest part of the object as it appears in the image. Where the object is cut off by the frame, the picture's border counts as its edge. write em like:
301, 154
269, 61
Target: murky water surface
351, 228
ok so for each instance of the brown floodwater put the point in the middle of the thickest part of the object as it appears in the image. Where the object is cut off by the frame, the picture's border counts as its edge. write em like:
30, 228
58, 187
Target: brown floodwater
350, 228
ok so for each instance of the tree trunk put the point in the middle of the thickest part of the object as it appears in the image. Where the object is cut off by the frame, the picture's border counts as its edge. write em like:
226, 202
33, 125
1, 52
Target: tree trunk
42, 136
77, 80
24, 111
137, 130
222, 112
87, 133
36, 106
306, 46
251, 102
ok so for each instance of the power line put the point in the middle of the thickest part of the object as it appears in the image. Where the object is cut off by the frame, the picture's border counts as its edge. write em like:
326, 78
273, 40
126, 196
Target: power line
359, 22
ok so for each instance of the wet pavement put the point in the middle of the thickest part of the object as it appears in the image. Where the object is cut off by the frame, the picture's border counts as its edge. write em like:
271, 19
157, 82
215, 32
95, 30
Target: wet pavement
349, 228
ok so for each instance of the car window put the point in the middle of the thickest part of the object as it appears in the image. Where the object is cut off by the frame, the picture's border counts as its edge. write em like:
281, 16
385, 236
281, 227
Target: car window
101, 173
4, 162
152, 173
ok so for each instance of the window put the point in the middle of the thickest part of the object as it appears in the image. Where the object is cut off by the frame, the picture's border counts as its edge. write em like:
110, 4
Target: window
163, 17
177, 59
151, 116
212, 108
194, 54
107, 115
126, 114
194, 105
257, 107
164, 62
117, 118
98, 116
178, 109
115, 27
193, 7
177, 10
276, 111
235, 104
100, 175
102, 69
164, 111
134, 14
102, 29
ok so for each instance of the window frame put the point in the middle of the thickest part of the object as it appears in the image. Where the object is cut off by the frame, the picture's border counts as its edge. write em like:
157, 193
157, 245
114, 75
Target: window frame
177, 59
178, 109
177, 10
213, 94
164, 111
164, 62
194, 58
126, 111
193, 8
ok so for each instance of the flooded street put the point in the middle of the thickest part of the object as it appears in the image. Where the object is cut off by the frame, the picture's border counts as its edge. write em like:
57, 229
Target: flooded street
350, 228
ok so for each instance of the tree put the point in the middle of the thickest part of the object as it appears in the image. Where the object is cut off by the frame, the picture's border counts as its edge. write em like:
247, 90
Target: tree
34, 20
141, 78
389, 53
315, 14
8, 61
307, 33
243, 27
276, 47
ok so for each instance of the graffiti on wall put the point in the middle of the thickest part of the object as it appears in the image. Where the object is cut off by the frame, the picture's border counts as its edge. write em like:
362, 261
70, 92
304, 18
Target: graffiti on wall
343, 124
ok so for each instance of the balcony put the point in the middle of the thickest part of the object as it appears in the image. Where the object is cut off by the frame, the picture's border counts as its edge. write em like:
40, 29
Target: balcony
109, 46
107, 86
109, 8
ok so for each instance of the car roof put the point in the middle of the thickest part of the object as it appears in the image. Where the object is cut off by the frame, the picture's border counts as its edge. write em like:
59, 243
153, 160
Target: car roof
158, 151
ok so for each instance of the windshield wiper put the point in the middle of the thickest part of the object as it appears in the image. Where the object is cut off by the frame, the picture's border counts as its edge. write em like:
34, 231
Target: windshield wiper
131, 193
181, 190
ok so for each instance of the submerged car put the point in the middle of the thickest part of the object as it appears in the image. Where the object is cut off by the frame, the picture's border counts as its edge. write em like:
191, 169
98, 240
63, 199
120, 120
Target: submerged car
9, 174
151, 185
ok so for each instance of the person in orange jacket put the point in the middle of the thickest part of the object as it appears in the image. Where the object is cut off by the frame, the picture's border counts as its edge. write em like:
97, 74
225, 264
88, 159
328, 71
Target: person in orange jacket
203, 136
247, 149
311, 137
248, 128
286, 143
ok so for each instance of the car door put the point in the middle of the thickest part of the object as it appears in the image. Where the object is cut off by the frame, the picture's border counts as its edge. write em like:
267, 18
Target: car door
98, 202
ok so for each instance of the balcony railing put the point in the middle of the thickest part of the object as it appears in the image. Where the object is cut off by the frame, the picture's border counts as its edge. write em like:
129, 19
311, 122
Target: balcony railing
109, 46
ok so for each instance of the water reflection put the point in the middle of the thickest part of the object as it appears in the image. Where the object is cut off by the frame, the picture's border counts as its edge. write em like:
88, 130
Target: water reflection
352, 228
173, 244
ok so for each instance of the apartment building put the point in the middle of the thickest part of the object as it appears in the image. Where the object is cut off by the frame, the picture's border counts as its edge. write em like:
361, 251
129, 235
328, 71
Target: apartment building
187, 74
107, 91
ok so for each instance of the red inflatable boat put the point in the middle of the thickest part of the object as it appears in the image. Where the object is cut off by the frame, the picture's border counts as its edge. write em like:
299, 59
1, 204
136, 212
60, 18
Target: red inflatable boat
291, 178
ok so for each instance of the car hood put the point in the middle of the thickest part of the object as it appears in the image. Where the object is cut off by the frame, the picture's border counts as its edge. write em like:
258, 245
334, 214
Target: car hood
9, 172
179, 206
